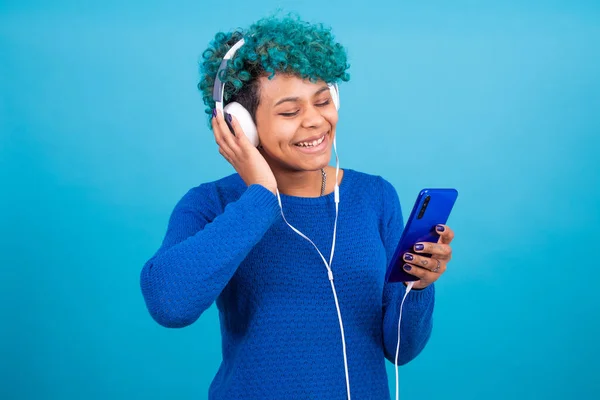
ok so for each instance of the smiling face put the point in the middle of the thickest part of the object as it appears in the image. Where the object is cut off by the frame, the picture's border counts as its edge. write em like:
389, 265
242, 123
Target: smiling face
296, 122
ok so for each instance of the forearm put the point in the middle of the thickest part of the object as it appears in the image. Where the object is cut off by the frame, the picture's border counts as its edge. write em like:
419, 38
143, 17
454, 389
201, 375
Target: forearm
416, 323
180, 282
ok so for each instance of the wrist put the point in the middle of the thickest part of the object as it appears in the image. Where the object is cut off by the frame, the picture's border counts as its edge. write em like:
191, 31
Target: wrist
415, 287
270, 188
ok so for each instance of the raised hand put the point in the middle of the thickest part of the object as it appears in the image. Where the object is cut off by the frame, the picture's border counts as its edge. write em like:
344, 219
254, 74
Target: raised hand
239, 152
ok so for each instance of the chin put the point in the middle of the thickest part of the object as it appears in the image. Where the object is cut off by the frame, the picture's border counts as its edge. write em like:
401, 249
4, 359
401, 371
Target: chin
307, 165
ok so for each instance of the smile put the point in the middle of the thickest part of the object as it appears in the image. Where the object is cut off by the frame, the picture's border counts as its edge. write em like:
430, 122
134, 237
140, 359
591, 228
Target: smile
312, 143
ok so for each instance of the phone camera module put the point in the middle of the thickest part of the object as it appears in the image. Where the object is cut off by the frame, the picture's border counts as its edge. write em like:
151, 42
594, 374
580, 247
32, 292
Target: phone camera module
423, 207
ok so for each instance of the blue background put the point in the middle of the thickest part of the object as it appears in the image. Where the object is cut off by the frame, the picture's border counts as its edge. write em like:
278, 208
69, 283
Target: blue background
102, 131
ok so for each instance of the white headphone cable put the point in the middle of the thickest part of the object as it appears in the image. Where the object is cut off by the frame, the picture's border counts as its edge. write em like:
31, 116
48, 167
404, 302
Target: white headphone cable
328, 265
408, 288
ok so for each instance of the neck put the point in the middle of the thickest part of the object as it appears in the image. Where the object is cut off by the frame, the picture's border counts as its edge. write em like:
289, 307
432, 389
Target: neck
299, 183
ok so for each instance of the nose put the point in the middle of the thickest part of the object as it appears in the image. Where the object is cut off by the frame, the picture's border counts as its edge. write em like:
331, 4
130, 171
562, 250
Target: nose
312, 118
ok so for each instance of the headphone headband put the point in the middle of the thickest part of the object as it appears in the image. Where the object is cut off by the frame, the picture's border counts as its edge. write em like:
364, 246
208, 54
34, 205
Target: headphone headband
219, 86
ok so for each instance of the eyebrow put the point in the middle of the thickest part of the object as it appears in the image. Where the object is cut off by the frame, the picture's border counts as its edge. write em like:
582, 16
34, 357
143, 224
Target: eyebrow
285, 99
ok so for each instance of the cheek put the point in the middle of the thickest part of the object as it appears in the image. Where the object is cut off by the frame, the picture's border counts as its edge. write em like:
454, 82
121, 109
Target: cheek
282, 131
332, 117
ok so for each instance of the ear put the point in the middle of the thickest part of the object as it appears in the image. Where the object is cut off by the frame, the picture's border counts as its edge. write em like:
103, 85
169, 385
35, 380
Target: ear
335, 94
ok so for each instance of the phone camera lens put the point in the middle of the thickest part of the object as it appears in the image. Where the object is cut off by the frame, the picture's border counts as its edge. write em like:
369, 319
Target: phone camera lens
423, 207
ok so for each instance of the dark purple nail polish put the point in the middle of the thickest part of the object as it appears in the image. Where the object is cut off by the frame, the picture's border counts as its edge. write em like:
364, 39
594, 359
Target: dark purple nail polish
228, 117
407, 267
214, 112
419, 247
408, 257
439, 228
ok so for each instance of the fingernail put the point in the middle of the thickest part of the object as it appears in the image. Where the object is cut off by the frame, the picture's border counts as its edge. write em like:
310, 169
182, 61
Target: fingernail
214, 112
407, 267
408, 257
228, 117
439, 228
419, 247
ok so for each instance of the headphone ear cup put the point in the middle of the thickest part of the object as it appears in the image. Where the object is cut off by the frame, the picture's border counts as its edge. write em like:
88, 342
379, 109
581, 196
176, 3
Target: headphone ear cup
335, 95
244, 119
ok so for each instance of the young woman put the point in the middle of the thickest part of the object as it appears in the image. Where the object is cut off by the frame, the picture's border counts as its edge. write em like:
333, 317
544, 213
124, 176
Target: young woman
298, 279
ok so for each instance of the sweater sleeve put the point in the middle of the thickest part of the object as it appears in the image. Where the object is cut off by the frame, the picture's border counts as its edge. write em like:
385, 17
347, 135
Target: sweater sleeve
201, 252
417, 312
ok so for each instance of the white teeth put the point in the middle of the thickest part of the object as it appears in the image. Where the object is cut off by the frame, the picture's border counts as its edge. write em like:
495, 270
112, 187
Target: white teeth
312, 144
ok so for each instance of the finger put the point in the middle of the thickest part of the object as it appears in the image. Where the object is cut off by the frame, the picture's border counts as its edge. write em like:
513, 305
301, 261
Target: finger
446, 234
225, 155
223, 134
423, 274
224, 148
420, 261
233, 133
217, 130
240, 137
441, 251
434, 265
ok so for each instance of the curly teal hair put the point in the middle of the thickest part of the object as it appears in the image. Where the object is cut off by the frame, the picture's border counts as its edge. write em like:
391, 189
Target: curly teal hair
271, 45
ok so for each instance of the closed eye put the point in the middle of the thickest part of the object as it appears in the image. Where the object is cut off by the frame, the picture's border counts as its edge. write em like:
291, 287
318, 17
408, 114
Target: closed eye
293, 114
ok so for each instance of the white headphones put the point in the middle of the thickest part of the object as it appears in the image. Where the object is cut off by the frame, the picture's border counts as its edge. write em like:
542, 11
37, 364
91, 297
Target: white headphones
238, 111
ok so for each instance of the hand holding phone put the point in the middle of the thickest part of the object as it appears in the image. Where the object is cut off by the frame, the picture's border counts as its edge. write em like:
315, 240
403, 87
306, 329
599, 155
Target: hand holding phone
432, 208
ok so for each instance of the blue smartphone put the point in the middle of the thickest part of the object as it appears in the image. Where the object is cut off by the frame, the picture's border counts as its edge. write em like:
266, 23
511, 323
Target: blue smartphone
432, 207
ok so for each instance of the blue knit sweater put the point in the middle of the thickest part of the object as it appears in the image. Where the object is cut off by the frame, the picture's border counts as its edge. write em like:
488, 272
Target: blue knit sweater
281, 339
